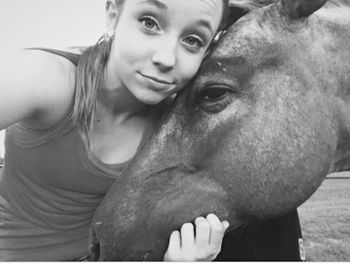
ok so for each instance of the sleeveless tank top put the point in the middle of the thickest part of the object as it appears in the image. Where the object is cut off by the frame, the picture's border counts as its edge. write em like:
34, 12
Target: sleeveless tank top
50, 186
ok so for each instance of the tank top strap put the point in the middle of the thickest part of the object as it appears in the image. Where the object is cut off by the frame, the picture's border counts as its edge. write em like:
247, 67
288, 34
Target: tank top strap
32, 138
74, 58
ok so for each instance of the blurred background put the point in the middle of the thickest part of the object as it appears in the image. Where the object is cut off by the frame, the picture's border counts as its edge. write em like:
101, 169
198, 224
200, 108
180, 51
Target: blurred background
54, 23
49, 23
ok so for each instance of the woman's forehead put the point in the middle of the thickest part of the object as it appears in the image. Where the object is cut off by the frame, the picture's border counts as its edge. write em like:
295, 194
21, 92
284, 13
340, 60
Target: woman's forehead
197, 9
195, 4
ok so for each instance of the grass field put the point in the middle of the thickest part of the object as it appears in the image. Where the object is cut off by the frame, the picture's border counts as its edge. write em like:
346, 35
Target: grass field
325, 221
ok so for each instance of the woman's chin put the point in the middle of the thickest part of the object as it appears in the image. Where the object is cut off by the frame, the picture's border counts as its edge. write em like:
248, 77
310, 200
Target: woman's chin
151, 99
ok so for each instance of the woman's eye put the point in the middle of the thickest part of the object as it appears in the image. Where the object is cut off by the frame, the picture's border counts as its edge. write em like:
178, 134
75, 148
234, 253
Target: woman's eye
193, 42
149, 23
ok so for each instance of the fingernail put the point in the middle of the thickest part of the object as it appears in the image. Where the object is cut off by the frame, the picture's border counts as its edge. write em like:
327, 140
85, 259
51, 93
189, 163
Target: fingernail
226, 224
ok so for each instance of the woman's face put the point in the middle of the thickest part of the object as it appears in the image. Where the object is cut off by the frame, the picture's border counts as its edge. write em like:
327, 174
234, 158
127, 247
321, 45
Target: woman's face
159, 44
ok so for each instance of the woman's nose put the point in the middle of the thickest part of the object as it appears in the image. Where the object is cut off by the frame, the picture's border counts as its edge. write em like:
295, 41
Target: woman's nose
165, 55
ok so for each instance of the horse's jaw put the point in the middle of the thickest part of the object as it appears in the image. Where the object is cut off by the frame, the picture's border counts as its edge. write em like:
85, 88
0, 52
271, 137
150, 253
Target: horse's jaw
341, 161
135, 221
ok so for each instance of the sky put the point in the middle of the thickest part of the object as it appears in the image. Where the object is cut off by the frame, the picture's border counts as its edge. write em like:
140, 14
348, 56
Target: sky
49, 23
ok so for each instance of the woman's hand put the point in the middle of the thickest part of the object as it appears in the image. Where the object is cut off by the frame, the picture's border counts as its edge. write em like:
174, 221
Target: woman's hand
203, 244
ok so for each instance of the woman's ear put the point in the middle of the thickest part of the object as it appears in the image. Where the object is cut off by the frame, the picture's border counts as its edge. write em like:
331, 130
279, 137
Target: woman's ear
111, 15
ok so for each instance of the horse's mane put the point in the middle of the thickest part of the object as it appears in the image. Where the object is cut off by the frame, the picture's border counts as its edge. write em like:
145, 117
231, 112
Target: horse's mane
338, 3
249, 5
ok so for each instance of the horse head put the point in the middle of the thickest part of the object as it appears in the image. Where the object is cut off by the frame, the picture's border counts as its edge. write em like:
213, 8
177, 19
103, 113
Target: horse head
253, 136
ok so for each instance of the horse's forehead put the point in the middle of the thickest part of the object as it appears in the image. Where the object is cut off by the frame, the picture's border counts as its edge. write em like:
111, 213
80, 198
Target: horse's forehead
245, 40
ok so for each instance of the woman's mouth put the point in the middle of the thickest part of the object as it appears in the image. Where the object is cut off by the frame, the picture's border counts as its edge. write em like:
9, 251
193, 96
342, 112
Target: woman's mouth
156, 82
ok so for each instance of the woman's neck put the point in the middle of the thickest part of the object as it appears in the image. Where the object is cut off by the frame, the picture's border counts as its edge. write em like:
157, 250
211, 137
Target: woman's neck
116, 100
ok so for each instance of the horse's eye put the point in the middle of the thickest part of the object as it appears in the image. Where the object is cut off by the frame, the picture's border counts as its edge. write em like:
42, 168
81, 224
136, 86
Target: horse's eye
213, 94
215, 97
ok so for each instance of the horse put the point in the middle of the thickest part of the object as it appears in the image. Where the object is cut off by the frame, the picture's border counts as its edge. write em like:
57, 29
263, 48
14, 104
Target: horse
266, 118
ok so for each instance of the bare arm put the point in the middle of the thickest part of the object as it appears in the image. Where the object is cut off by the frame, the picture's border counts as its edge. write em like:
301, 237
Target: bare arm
35, 89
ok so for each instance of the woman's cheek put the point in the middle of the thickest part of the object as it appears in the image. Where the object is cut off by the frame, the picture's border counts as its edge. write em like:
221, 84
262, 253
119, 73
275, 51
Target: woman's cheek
190, 68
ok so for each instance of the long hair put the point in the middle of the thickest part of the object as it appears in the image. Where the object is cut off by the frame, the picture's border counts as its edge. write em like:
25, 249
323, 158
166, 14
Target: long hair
90, 74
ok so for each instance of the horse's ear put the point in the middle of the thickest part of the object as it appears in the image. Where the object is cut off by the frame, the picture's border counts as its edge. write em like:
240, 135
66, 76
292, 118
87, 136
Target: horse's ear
300, 9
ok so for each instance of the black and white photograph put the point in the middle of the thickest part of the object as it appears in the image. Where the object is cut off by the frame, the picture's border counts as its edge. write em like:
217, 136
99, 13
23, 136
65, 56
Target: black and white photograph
175, 130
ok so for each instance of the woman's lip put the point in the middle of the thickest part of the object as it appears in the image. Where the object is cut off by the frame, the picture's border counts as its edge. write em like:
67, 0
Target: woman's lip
161, 81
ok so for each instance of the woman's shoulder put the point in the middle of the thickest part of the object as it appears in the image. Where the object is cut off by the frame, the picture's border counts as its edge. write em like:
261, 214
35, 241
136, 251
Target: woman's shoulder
38, 69
48, 79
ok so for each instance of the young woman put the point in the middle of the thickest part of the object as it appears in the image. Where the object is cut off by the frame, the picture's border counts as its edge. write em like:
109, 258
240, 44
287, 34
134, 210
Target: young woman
73, 123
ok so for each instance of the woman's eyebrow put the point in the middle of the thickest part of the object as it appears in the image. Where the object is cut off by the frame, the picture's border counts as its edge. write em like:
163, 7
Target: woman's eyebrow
205, 23
156, 3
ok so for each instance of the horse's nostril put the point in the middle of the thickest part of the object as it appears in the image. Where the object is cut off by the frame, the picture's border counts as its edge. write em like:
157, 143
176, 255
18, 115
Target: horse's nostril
94, 247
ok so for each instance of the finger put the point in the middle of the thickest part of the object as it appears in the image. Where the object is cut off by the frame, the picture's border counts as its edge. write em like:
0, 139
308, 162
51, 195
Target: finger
174, 246
216, 230
187, 238
225, 224
202, 232
175, 241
